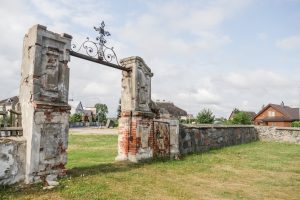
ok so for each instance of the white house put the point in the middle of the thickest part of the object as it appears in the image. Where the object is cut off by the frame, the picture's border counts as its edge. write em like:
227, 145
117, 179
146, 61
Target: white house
76, 107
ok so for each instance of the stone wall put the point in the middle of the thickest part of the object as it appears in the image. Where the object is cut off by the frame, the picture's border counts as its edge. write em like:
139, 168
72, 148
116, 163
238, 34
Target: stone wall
200, 138
12, 160
280, 134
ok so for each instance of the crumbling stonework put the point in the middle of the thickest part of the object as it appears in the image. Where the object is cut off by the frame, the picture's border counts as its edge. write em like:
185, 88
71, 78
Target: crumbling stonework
135, 141
44, 102
166, 138
12, 160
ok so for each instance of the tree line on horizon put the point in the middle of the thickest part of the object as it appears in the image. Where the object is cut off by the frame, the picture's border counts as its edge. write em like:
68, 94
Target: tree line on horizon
206, 116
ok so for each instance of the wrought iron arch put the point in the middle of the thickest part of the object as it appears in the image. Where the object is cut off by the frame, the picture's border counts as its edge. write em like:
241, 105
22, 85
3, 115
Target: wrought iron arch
97, 51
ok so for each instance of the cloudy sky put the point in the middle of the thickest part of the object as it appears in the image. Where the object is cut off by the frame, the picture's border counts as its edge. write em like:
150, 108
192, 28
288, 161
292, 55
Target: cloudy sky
217, 54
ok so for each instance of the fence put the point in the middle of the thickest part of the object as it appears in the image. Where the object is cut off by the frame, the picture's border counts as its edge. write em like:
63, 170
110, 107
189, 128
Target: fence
10, 121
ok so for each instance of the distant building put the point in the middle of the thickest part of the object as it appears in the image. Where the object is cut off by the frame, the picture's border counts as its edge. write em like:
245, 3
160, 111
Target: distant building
10, 103
89, 114
276, 115
76, 107
92, 109
187, 117
169, 110
235, 111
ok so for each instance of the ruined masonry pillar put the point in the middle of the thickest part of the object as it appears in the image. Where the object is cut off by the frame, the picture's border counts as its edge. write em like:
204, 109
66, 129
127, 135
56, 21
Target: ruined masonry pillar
44, 102
135, 140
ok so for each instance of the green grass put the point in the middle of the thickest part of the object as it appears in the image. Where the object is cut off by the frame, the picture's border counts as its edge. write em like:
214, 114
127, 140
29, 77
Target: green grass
259, 170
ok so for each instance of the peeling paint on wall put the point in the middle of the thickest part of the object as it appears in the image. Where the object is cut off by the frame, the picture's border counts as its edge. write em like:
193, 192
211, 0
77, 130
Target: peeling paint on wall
12, 160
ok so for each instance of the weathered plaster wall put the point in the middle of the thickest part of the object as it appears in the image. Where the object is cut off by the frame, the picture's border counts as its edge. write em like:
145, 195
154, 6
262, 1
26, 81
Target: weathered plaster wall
166, 138
44, 102
193, 138
135, 140
12, 160
280, 134
141, 138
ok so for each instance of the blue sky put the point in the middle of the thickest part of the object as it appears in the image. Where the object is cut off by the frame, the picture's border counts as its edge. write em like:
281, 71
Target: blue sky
217, 54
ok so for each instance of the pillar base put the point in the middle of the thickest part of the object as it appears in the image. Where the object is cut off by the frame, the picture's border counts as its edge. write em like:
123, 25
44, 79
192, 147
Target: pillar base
120, 158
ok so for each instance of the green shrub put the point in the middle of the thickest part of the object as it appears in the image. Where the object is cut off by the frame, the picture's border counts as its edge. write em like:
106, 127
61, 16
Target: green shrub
295, 124
75, 118
205, 117
241, 118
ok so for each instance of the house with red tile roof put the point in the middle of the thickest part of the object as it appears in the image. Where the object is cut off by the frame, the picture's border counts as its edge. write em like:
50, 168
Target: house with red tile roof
276, 115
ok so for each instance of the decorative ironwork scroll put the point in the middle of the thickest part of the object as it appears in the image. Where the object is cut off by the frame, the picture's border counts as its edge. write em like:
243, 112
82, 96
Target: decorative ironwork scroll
98, 49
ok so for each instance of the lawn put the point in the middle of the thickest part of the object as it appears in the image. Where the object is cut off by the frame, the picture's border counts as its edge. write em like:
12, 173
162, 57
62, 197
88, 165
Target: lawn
259, 170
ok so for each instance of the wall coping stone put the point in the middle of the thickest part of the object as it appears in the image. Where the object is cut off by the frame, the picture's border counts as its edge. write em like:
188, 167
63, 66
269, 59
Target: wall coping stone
288, 128
280, 128
216, 126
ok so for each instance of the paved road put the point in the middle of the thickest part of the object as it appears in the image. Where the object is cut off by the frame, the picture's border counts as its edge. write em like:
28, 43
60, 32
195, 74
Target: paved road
93, 131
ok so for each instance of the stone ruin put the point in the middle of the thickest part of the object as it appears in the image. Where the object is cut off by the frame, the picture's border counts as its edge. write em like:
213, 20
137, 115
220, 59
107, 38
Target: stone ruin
37, 151
40, 154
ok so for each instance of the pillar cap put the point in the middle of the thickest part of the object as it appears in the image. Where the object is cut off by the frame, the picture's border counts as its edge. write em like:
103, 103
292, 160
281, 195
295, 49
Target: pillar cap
135, 59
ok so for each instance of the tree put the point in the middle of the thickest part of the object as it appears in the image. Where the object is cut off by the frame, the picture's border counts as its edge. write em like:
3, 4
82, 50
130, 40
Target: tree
101, 110
205, 117
241, 118
220, 120
295, 124
235, 110
76, 117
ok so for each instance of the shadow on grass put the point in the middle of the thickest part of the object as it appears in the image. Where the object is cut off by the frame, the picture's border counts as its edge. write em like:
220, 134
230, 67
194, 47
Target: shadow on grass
102, 168
112, 167
127, 166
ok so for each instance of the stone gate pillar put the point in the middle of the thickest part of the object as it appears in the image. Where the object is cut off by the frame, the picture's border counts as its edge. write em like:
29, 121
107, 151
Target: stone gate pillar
44, 102
135, 140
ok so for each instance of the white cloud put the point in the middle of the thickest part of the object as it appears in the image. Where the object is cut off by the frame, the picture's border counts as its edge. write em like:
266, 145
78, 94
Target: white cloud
292, 42
180, 41
198, 16
94, 88
201, 96
161, 32
255, 79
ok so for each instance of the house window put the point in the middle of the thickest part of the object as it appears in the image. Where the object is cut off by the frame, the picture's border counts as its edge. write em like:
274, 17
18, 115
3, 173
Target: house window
271, 114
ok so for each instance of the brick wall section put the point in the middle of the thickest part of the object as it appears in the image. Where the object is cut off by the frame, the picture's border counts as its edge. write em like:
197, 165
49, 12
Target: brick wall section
280, 134
205, 137
135, 137
124, 130
141, 141
133, 140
